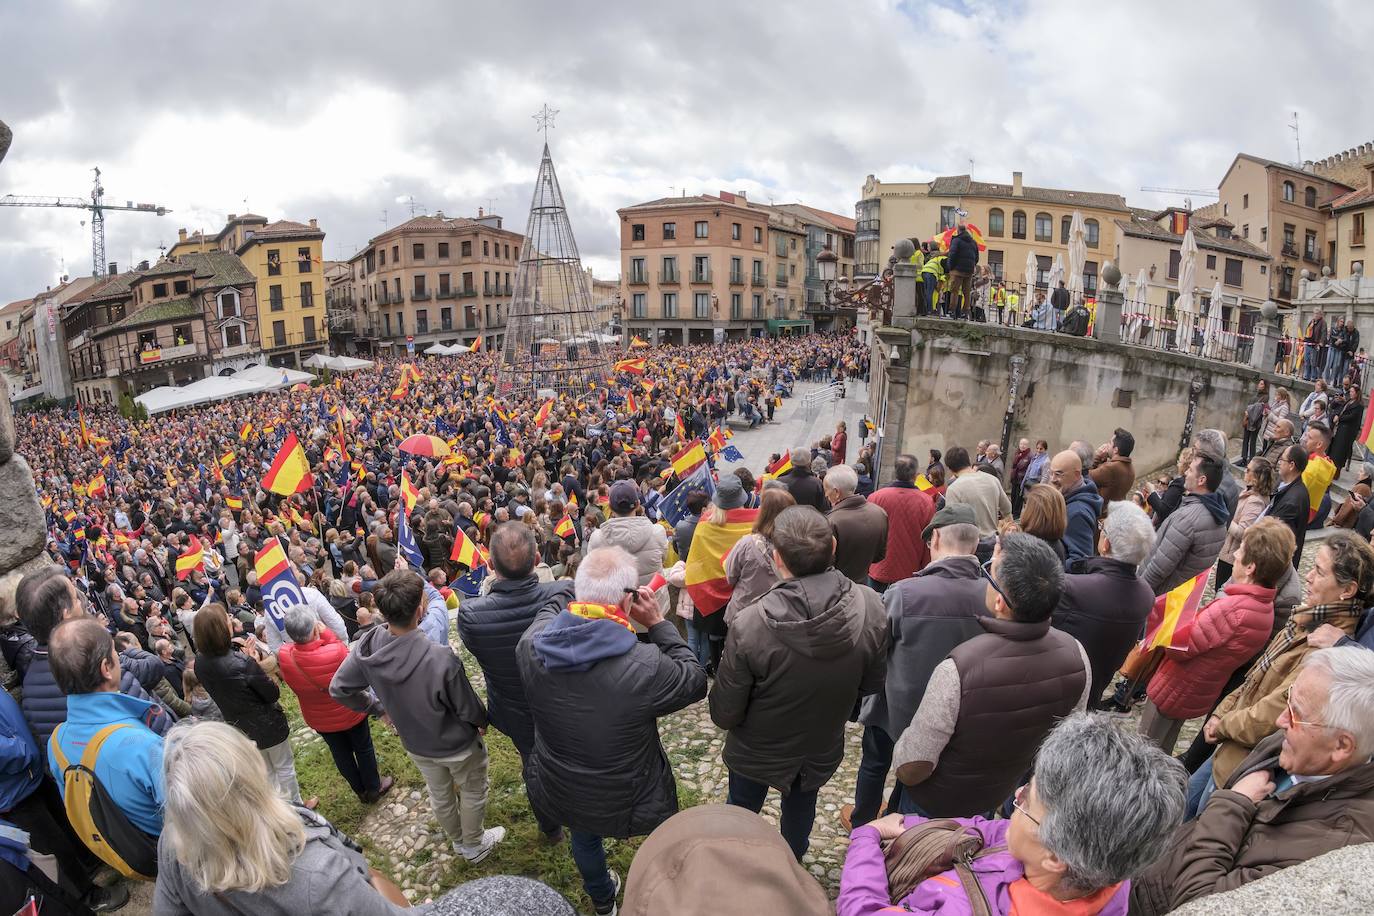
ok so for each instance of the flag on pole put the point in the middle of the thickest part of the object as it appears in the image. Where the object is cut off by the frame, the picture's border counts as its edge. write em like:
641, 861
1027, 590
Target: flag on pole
280, 590
466, 552
730, 453
705, 571
923, 483
408, 492
290, 472
1367, 431
1173, 614
542, 415
686, 461
565, 528
679, 428
191, 560
632, 366
405, 540
637, 341
227, 459
476, 345
673, 506
96, 487
234, 502
630, 403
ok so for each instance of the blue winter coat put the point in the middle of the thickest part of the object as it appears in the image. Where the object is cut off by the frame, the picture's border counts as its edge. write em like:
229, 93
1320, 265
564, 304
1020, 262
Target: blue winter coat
21, 763
130, 761
1084, 507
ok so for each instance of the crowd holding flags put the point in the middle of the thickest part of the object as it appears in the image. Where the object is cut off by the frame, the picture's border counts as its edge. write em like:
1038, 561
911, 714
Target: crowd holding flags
192, 559
290, 471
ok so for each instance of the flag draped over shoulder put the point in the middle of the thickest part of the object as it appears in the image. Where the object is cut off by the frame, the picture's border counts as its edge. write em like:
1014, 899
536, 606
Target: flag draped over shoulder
1173, 614
705, 570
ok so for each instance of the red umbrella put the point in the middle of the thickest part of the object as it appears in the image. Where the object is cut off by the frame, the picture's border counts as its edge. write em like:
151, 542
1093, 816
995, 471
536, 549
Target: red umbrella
300, 386
425, 446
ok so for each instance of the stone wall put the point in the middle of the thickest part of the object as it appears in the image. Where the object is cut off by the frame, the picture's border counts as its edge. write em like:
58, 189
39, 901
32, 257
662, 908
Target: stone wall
1071, 388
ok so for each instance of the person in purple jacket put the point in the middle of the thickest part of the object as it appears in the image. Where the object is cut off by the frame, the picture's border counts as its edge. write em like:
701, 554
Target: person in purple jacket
1100, 809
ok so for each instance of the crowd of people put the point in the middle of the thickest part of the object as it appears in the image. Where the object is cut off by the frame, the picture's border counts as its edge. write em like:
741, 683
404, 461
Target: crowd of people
991, 622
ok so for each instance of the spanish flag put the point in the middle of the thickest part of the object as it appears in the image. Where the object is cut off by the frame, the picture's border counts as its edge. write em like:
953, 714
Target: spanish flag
637, 341
402, 387
717, 439
245, 431
679, 428
705, 570
780, 467
465, 552
564, 528
97, 486
543, 413
572, 499
290, 472
1173, 614
476, 345
270, 562
408, 491
234, 502
192, 559
632, 366
106, 460
556, 435
686, 461
630, 403
227, 459
923, 483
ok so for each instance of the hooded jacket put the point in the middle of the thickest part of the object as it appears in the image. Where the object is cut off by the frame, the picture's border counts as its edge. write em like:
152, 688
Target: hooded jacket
1083, 507
1234, 840
421, 685
1222, 637
727, 848
596, 694
640, 538
796, 662
1188, 542
129, 765
490, 626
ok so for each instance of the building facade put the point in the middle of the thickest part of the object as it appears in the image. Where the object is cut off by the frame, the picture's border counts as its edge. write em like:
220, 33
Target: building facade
169, 324
1279, 208
1349, 221
287, 260
39, 347
434, 279
1017, 220
1153, 242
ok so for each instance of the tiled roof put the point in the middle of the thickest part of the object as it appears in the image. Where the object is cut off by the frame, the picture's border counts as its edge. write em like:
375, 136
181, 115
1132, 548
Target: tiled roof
692, 200
451, 223
15, 306
156, 313
165, 268
1149, 229
108, 288
823, 217
282, 229
1353, 199
218, 268
963, 186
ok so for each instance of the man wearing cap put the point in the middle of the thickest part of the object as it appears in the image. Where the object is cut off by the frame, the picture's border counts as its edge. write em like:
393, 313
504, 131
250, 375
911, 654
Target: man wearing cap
630, 529
928, 615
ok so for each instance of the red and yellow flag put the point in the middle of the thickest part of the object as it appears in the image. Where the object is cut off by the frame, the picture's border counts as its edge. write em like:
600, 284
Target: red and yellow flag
705, 571
290, 471
565, 528
923, 483
476, 345
234, 502
1173, 614
408, 492
611, 612
96, 487
227, 459
192, 559
245, 431
630, 403
687, 460
542, 415
466, 552
632, 366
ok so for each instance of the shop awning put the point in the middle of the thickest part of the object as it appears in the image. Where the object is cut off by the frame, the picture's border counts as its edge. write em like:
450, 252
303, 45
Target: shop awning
777, 324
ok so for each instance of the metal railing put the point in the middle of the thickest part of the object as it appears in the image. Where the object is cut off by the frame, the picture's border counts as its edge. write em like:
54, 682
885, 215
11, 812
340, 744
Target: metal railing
813, 402
758, 280
668, 278
736, 278
701, 274
868, 225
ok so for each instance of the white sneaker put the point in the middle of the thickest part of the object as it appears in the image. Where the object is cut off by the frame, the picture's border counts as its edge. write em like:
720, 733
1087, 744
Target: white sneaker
490, 837
612, 908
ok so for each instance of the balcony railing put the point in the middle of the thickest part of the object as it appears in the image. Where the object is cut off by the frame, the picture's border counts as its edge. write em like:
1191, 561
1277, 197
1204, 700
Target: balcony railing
637, 280
132, 362
1312, 257
701, 275
867, 225
758, 280
668, 278
419, 296
736, 278
1289, 250
449, 293
467, 292
780, 281
866, 269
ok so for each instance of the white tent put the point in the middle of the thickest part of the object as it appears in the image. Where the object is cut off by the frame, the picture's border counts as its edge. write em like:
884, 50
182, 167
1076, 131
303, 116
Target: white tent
204, 391
271, 378
337, 363
438, 349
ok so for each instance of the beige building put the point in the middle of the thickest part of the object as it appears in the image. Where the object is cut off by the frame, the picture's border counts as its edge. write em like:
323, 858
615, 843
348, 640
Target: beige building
1278, 207
605, 300
1016, 220
823, 230
1349, 223
1153, 242
434, 279
695, 265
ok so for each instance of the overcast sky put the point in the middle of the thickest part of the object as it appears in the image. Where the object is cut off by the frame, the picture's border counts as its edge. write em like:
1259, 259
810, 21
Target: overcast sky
344, 110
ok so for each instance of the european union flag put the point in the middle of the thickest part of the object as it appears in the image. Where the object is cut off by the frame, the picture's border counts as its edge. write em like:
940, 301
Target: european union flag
444, 429
502, 434
405, 540
341, 476
730, 453
470, 585
366, 425
673, 507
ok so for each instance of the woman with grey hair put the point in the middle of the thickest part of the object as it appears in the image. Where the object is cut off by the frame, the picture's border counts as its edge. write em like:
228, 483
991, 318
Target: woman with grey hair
1100, 809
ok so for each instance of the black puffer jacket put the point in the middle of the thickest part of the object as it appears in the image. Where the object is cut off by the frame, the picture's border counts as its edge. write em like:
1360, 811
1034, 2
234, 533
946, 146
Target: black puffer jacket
246, 696
598, 765
963, 253
44, 703
491, 627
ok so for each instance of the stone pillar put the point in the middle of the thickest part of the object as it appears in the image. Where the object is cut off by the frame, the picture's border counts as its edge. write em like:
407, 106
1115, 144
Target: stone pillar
1110, 302
891, 414
1267, 333
904, 295
21, 516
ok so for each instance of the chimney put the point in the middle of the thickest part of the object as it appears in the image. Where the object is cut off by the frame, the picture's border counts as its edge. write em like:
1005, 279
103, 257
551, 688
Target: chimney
741, 195
727, 197
313, 223
1016, 189
231, 216
181, 235
142, 265
114, 268
479, 212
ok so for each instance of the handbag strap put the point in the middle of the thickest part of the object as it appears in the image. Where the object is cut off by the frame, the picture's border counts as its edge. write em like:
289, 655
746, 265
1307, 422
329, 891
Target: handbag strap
303, 673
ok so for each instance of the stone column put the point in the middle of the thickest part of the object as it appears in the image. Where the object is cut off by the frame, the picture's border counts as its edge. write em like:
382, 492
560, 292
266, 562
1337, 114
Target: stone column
1267, 333
21, 516
1110, 302
903, 284
891, 416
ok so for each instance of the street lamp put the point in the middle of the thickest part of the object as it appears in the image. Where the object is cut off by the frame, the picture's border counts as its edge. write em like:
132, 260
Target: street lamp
826, 263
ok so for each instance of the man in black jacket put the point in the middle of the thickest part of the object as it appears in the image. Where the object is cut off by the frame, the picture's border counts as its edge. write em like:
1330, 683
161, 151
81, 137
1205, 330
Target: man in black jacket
963, 258
1291, 503
491, 626
596, 694
805, 487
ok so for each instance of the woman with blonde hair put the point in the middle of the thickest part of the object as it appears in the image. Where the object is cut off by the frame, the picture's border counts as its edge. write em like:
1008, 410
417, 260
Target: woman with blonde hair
231, 844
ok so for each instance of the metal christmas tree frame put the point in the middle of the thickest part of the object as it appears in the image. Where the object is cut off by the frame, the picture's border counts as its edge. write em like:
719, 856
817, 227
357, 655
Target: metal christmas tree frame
551, 341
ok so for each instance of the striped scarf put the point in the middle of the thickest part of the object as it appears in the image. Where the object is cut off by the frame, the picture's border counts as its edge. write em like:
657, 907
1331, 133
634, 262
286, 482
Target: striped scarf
611, 612
1304, 621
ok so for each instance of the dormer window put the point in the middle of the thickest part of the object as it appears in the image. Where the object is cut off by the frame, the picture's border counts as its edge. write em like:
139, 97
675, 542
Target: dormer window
159, 290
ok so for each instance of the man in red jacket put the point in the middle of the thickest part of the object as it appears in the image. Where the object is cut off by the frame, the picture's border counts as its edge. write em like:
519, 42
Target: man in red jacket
909, 511
308, 661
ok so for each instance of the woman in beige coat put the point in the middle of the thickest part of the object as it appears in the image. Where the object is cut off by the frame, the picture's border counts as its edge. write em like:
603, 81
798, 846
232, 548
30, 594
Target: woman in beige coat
749, 565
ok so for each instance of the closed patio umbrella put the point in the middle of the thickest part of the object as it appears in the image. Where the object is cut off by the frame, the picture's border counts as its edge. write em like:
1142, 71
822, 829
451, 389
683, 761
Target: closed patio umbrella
1186, 305
1078, 255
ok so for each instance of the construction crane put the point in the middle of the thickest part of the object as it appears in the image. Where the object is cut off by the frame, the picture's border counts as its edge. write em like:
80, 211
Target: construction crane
1191, 192
96, 205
